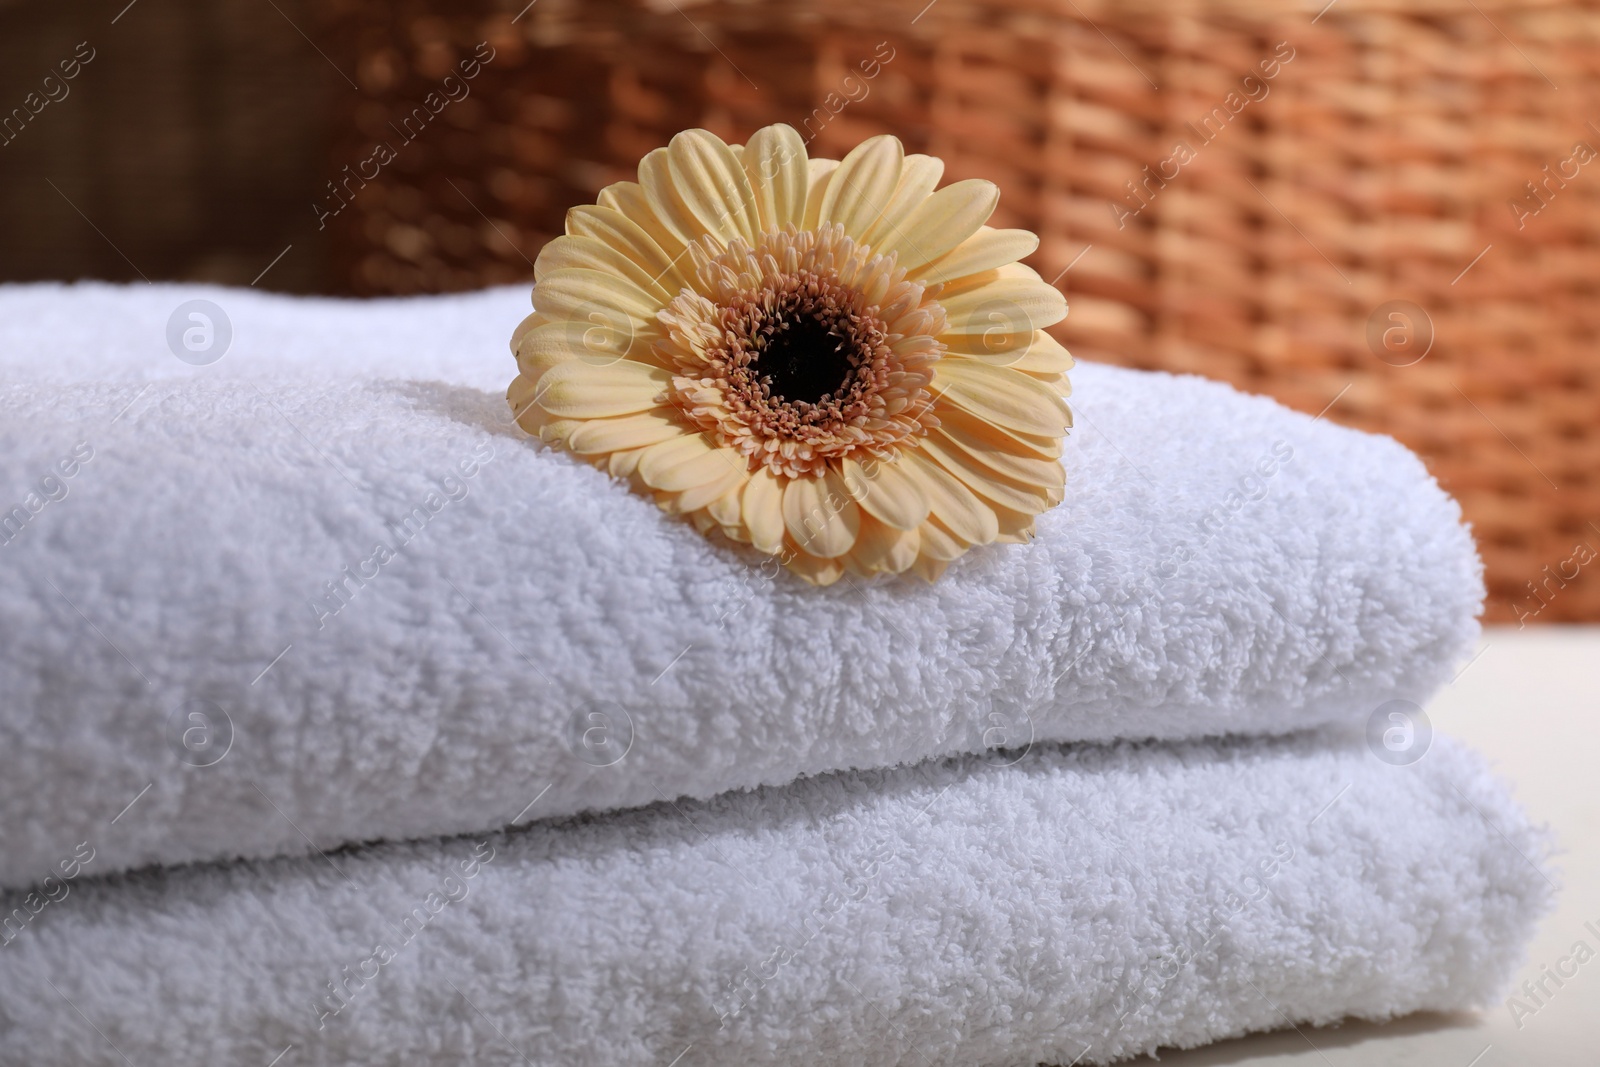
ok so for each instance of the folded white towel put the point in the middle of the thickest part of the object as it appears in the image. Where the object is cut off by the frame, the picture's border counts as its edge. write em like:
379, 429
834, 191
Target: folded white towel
245, 613
1083, 906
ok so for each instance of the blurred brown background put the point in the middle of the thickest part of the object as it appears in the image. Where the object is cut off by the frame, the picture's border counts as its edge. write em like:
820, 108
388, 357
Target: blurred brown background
1397, 227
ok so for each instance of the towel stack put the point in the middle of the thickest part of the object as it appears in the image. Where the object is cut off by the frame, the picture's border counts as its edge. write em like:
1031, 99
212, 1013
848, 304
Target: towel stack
346, 724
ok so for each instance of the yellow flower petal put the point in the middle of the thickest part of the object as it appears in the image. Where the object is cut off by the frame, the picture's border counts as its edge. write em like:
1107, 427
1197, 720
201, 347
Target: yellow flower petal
819, 173
528, 323
627, 236
937, 542
919, 175
589, 436
577, 294
998, 437
762, 507
943, 221
522, 396
685, 462
775, 164
628, 198
814, 569
985, 250
886, 491
881, 547
605, 337
1012, 303
725, 509
623, 464
710, 182
1015, 462
861, 188
1029, 351
667, 502
983, 481
587, 253
665, 204
950, 288
1007, 398
577, 390
1016, 528
820, 516
702, 496
953, 504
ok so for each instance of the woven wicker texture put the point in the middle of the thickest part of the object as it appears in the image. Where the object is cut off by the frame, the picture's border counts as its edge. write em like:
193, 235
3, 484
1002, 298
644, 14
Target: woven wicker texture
182, 150
1337, 209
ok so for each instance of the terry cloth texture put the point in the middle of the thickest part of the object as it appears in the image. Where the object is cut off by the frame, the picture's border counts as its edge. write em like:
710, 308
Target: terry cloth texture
266, 611
1083, 905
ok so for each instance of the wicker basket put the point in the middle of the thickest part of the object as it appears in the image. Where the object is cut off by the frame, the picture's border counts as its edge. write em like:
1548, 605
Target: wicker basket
1352, 230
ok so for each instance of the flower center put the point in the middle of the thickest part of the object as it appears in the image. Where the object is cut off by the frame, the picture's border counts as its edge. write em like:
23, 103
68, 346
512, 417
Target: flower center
803, 350
804, 359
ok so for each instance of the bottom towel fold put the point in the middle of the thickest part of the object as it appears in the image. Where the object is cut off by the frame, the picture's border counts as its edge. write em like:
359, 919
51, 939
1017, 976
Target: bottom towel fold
1080, 904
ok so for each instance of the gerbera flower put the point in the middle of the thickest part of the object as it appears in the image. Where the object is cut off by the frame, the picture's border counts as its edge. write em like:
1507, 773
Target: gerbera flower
830, 361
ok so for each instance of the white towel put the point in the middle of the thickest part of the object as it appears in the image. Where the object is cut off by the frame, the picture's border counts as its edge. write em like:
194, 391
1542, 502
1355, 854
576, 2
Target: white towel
246, 612
1083, 905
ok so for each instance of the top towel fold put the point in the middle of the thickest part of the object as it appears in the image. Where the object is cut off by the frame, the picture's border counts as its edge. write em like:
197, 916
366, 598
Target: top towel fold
259, 605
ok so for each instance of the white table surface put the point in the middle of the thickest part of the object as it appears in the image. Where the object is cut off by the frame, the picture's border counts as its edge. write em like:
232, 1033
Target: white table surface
1531, 702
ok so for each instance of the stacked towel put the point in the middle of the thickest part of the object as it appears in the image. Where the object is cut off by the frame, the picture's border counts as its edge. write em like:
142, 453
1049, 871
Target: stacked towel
323, 593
